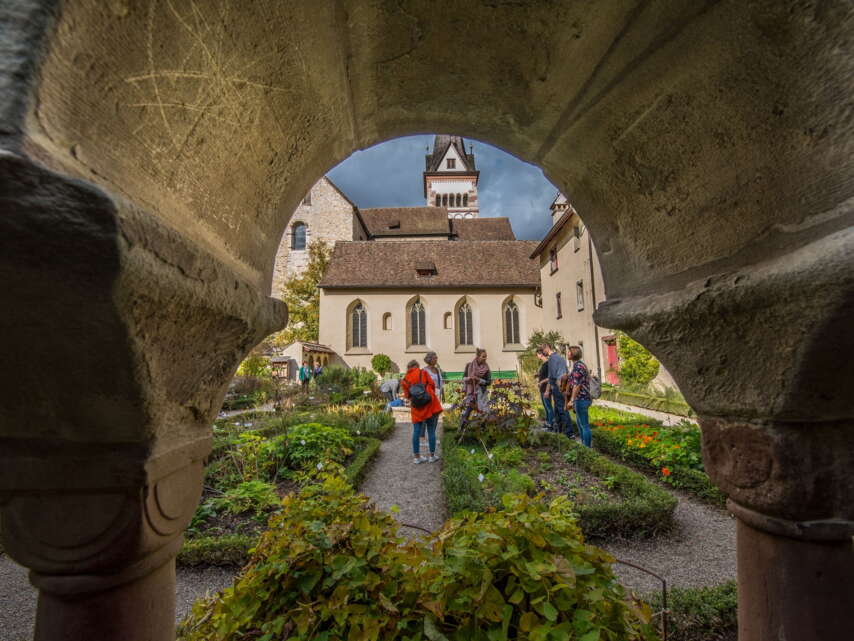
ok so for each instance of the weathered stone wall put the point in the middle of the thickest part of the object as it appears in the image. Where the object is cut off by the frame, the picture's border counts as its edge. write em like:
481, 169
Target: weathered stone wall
328, 218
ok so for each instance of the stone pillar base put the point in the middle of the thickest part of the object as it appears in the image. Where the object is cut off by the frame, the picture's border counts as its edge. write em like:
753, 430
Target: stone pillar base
793, 589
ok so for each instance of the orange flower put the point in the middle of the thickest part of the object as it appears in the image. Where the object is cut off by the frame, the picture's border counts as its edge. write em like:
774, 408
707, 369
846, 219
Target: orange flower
665, 471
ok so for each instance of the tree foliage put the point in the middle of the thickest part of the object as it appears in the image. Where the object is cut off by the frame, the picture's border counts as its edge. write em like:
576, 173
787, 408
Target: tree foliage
381, 364
528, 358
302, 296
255, 365
637, 366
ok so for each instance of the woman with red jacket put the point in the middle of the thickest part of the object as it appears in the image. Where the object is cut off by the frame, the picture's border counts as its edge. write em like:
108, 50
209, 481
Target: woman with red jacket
426, 416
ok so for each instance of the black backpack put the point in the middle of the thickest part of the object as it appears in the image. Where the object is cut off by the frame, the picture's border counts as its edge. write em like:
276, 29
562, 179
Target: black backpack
419, 396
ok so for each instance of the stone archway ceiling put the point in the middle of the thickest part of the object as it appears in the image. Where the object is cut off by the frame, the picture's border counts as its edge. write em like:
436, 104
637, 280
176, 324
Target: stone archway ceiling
687, 133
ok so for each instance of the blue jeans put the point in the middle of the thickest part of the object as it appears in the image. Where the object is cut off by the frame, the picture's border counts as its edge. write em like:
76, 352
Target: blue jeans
550, 412
583, 420
563, 422
430, 424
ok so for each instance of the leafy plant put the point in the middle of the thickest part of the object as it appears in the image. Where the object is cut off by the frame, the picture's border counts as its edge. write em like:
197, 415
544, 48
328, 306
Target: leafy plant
331, 567
254, 365
381, 364
302, 296
312, 443
637, 365
253, 496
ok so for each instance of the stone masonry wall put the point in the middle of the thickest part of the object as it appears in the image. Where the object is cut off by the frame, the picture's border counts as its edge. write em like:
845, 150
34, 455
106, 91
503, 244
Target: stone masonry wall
329, 218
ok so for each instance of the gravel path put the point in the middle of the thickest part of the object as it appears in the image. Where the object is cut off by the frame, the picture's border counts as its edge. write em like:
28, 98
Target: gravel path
18, 598
700, 550
416, 489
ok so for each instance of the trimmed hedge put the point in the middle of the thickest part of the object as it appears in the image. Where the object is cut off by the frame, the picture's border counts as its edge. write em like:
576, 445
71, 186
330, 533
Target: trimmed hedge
231, 549
366, 450
701, 614
645, 509
694, 481
648, 402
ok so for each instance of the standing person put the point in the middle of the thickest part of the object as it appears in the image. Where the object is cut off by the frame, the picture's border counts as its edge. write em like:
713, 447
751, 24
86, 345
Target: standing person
556, 371
304, 376
318, 370
431, 359
579, 399
476, 379
542, 384
419, 388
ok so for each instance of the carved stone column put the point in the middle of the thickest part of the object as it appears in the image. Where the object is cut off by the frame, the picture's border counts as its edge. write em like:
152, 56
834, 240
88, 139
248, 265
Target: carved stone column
119, 340
763, 354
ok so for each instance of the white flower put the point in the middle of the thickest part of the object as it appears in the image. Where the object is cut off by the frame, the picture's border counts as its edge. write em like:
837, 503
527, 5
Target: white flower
489, 456
480, 477
319, 466
302, 442
358, 432
472, 450
248, 424
311, 398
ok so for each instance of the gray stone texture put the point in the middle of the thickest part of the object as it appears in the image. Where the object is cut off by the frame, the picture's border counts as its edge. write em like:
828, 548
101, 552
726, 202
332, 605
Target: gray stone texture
152, 154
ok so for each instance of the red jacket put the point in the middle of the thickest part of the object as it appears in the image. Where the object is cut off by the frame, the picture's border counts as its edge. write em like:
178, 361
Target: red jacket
417, 375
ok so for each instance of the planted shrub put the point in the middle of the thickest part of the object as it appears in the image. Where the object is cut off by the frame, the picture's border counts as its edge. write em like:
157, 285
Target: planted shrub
331, 567
312, 443
255, 497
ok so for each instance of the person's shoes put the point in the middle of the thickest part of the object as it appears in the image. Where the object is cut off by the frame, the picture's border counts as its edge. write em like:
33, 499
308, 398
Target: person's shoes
418, 460
433, 458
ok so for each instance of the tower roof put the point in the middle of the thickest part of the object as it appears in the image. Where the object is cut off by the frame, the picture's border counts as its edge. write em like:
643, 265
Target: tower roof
441, 142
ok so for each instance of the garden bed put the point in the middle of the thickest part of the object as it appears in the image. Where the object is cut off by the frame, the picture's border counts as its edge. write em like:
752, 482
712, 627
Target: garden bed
671, 453
657, 403
256, 462
609, 499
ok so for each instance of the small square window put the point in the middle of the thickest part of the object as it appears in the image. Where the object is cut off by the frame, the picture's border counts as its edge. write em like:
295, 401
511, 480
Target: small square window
452, 163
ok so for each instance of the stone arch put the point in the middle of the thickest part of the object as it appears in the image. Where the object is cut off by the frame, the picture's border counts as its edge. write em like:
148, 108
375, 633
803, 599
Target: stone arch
702, 208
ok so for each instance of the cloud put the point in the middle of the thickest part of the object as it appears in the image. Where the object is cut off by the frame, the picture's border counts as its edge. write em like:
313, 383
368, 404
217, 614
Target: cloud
390, 175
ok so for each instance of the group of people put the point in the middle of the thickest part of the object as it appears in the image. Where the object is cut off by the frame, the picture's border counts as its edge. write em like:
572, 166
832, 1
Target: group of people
306, 374
424, 388
563, 389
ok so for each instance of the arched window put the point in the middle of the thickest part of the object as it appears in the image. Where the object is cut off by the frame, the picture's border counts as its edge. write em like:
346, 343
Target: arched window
387, 321
358, 325
417, 323
444, 200
465, 325
459, 200
438, 200
298, 236
512, 333
465, 200
446, 323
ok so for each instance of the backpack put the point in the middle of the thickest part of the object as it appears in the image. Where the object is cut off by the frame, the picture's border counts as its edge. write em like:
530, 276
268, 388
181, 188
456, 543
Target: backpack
419, 395
594, 385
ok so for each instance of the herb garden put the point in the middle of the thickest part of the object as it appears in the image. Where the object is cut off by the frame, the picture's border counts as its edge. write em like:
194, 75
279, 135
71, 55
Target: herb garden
512, 562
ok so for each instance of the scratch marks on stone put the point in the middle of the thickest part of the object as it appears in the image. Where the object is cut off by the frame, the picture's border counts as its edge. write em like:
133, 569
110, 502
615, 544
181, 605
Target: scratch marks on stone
212, 80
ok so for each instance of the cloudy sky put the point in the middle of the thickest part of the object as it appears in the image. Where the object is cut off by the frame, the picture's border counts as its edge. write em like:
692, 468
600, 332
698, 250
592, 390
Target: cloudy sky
389, 175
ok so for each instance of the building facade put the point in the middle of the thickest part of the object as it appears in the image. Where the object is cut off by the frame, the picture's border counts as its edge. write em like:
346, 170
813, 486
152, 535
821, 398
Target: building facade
572, 287
324, 214
450, 177
407, 298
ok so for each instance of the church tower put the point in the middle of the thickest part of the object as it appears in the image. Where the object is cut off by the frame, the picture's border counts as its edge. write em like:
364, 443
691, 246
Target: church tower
450, 178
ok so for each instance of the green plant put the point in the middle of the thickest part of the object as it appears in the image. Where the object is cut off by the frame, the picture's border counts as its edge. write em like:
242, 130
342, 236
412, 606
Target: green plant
701, 614
302, 296
254, 365
331, 567
311, 444
229, 549
381, 364
256, 497
637, 365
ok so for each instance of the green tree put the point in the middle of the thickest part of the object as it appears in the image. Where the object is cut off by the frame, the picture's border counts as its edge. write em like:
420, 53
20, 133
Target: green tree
254, 365
528, 359
303, 298
637, 366
381, 364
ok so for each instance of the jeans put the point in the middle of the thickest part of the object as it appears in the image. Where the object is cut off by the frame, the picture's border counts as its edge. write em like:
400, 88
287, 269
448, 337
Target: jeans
417, 428
563, 422
583, 420
550, 411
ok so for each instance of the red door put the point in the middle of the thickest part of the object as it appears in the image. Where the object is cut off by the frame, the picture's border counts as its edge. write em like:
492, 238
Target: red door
613, 363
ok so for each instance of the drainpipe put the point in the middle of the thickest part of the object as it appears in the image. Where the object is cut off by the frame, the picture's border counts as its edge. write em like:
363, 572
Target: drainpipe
593, 293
